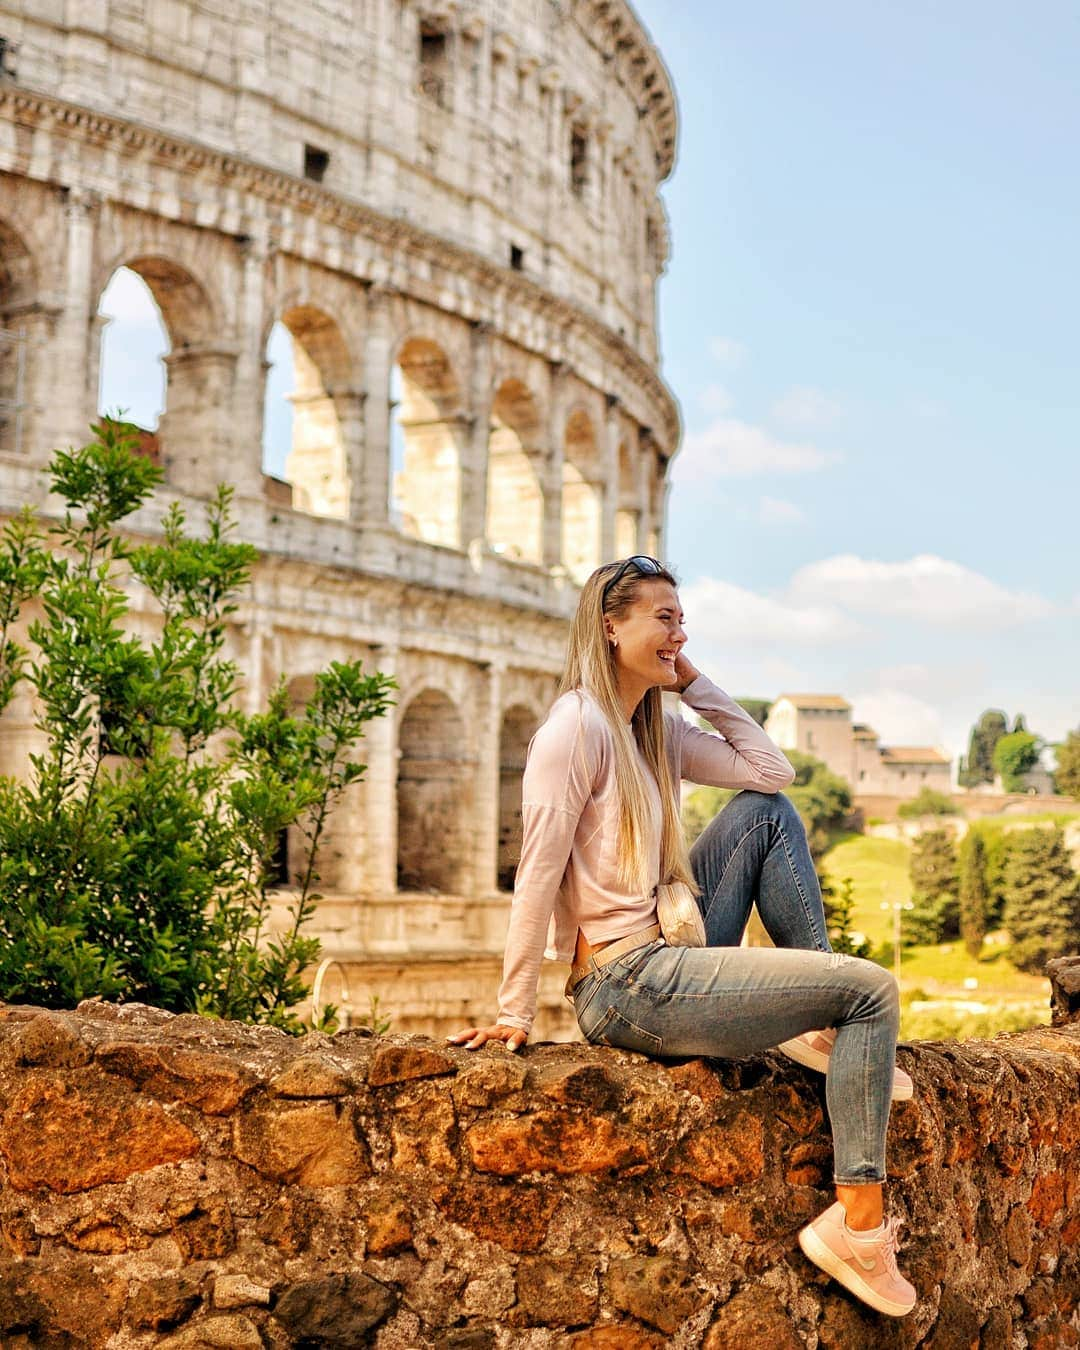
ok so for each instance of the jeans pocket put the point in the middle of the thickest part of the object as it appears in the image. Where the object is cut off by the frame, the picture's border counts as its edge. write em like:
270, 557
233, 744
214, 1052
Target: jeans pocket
616, 1030
626, 967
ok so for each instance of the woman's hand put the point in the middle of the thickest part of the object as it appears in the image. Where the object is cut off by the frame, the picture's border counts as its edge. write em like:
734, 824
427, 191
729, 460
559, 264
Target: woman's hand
475, 1037
685, 673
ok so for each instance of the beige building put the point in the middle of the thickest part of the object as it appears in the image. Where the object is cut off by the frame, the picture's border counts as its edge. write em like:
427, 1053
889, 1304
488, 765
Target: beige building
821, 725
453, 209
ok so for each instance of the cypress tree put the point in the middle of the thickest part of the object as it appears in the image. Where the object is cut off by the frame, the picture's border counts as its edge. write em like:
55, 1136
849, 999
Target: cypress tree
933, 871
1042, 906
978, 767
973, 892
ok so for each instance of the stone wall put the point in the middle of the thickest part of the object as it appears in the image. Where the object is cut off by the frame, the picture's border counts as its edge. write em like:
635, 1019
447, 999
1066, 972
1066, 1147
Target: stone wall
172, 1181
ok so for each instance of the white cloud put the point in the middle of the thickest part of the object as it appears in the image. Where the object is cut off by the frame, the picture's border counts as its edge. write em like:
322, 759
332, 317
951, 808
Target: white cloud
726, 351
720, 613
730, 448
926, 588
773, 511
805, 406
898, 717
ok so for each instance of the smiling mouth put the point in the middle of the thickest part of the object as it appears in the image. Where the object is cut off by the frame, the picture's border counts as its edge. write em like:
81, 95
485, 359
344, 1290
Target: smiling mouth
667, 656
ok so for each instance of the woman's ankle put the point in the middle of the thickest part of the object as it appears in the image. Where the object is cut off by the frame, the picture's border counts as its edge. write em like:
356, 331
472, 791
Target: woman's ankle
864, 1206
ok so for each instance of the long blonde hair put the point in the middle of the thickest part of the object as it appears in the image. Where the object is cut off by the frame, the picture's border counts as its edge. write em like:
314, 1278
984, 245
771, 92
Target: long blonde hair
590, 665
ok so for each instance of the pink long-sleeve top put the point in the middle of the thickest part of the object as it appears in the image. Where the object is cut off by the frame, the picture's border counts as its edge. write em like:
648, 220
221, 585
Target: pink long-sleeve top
568, 874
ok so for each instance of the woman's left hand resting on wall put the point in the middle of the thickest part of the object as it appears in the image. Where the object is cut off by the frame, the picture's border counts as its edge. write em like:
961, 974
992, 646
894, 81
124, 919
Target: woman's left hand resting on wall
475, 1037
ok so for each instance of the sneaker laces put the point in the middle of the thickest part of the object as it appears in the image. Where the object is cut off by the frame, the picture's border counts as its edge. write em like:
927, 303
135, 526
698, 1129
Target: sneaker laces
889, 1240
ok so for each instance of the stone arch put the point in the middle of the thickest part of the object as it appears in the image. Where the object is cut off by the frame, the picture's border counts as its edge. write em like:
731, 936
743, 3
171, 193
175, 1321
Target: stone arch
316, 462
434, 792
132, 376
515, 498
428, 442
582, 496
628, 509
338, 844
18, 293
515, 732
198, 372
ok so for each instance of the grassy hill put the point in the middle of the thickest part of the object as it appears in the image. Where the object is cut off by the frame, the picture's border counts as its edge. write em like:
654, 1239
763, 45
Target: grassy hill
945, 992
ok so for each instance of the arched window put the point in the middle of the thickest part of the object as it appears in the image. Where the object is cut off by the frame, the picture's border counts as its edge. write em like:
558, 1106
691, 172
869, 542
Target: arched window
515, 500
307, 410
134, 343
434, 797
581, 497
518, 726
426, 439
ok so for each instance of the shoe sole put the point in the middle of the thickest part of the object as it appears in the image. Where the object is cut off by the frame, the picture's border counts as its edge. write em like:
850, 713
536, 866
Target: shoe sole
824, 1257
802, 1054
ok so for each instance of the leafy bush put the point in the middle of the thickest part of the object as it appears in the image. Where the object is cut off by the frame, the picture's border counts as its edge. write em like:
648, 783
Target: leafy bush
935, 912
137, 862
929, 803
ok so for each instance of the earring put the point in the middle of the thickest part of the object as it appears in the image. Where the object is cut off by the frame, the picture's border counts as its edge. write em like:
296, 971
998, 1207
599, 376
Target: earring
614, 643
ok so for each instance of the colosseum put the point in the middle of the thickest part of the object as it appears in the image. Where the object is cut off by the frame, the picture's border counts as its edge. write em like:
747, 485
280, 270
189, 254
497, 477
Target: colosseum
453, 209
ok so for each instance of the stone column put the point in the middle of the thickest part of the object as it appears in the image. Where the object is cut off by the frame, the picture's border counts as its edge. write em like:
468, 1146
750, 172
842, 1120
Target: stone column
475, 459
249, 380
610, 484
369, 496
198, 449
486, 855
551, 467
65, 421
644, 476
380, 747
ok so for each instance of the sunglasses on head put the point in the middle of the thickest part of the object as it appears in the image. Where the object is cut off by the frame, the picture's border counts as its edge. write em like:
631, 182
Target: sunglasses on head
648, 567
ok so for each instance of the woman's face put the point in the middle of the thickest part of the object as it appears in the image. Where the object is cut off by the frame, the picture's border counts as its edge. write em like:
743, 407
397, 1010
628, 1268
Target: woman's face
649, 636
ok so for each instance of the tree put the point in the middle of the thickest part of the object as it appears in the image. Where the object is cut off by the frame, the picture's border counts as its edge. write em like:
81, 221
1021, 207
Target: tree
973, 892
838, 908
822, 799
1042, 909
978, 765
928, 803
1067, 774
933, 869
1014, 755
758, 708
138, 859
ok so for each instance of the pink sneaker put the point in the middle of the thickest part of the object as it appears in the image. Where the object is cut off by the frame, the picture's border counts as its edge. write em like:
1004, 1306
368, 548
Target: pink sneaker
813, 1048
865, 1263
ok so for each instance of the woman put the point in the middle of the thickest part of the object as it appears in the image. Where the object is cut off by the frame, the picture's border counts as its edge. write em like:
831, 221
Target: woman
600, 814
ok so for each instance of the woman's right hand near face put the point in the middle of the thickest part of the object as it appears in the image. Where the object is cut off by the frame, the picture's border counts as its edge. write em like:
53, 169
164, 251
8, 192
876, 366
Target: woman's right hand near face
475, 1037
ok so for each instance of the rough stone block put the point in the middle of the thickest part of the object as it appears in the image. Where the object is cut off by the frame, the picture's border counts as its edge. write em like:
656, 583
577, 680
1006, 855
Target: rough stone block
312, 1145
514, 1216
654, 1289
557, 1290
549, 1141
723, 1155
309, 1076
72, 1138
754, 1317
162, 1304
398, 1063
334, 1312
207, 1082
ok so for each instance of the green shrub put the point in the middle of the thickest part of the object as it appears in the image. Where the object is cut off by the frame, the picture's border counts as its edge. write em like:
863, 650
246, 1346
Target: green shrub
928, 803
138, 859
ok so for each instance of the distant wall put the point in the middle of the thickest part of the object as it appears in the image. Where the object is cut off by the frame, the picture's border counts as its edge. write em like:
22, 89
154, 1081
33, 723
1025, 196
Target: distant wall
168, 1181
972, 805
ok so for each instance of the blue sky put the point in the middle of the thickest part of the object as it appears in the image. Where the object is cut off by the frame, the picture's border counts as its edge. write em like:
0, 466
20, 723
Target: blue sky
869, 320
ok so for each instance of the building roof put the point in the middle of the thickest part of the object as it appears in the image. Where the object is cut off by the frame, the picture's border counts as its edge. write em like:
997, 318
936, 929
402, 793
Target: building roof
863, 732
914, 754
812, 701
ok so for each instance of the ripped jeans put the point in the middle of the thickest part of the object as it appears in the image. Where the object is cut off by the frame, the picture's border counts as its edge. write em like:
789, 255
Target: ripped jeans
729, 1001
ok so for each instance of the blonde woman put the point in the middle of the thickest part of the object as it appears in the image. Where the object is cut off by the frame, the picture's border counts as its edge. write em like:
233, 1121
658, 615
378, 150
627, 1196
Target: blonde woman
600, 813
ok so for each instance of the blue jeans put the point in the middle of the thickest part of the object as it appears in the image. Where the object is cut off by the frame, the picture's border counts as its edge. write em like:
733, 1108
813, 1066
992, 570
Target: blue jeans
729, 1001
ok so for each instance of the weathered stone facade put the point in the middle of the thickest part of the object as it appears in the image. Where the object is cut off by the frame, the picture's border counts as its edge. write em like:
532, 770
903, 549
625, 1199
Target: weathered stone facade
169, 1181
454, 202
